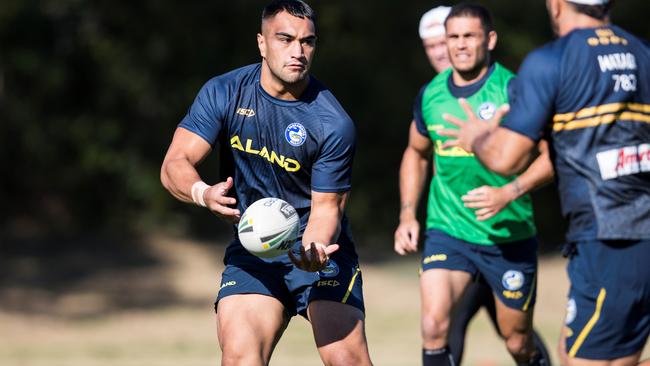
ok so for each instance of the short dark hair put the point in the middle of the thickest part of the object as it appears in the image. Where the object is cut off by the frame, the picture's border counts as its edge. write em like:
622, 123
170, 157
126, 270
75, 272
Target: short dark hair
473, 11
297, 8
600, 12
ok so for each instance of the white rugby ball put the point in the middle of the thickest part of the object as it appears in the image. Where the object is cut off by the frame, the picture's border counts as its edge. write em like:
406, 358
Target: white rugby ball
269, 227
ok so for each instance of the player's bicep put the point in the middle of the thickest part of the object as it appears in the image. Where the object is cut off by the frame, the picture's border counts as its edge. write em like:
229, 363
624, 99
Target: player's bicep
187, 145
418, 142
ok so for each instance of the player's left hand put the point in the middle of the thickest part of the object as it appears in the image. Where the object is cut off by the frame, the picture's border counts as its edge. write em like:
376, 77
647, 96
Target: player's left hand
314, 257
488, 201
472, 129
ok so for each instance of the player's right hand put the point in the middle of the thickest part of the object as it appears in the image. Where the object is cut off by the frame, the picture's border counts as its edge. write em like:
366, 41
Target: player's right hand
406, 236
217, 201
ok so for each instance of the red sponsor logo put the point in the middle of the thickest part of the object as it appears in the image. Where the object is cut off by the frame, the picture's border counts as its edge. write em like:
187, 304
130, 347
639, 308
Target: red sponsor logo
624, 161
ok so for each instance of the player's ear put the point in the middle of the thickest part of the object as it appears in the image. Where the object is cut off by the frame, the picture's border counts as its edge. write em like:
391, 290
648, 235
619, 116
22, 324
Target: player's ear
553, 7
261, 44
492, 40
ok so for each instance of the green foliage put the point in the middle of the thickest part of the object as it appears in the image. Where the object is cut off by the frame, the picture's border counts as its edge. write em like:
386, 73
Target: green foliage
91, 91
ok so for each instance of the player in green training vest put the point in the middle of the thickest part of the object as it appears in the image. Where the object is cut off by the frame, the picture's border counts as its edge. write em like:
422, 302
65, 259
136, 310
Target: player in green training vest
478, 223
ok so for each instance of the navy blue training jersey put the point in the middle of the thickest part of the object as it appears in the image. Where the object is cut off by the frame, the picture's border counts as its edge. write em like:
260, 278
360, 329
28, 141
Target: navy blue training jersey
588, 93
273, 147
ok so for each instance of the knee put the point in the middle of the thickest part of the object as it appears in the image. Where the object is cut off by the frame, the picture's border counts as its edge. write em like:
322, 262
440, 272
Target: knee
519, 345
241, 356
345, 357
434, 328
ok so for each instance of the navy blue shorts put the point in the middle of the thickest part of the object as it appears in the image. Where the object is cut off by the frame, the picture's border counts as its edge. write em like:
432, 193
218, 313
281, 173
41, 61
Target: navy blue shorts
245, 273
608, 311
509, 269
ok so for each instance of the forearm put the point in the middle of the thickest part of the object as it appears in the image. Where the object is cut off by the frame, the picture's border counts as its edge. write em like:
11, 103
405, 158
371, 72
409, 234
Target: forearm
538, 174
412, 176
497, 151
178, 176
322, 228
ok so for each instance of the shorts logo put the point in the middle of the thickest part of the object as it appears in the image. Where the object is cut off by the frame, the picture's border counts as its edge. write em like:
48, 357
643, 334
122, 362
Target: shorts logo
435, 258
571, 311
328, 283
512, 280
330, 270
487, 110
229, 283
514, 295
295, 134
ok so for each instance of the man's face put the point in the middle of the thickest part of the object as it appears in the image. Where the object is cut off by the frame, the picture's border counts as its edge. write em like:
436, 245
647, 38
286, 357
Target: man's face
287, 44
468, 44
436, 50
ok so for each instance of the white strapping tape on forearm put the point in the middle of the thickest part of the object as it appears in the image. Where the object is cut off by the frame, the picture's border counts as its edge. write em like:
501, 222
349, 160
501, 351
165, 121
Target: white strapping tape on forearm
198, 189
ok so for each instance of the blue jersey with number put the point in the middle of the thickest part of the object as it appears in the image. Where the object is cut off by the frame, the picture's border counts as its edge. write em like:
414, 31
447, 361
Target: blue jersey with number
588, 93
273, 147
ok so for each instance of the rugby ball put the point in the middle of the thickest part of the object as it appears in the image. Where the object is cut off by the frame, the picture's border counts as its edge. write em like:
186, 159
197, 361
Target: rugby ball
268, 227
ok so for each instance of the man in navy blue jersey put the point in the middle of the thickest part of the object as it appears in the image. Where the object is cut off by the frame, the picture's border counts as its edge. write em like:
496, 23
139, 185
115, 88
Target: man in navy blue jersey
281, 134
588, 93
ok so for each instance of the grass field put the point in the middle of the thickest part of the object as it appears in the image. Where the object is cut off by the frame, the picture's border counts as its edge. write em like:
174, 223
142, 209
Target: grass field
159, 315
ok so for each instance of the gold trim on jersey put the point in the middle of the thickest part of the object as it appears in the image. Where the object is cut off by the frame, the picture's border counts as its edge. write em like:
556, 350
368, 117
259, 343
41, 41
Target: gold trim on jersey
601, 115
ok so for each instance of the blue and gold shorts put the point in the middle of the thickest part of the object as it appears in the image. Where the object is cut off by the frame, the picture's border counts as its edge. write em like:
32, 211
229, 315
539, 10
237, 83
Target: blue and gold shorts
608, 310
340, 281
509, 269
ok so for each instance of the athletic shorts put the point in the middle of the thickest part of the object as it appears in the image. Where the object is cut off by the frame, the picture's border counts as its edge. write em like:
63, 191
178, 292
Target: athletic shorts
608, 310
509, 269
245, 273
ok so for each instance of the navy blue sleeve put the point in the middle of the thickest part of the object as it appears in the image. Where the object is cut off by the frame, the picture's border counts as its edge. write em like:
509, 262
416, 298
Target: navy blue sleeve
417, 113
534, 90
205, 115
332, 171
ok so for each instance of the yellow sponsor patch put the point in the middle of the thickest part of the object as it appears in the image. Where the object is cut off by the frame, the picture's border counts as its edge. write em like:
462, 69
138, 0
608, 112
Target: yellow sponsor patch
290, 165
435, 258
516, 295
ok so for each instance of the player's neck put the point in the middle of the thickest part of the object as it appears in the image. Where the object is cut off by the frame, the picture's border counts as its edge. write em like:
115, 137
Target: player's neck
580, 21
280, 89
465, 78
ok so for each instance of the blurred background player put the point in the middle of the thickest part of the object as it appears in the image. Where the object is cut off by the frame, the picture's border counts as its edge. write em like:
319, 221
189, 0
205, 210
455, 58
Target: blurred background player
588, 93
461, 243
281, 134
477, 294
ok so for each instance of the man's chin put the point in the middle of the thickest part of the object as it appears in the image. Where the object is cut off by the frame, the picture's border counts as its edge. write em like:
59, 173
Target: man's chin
294, 78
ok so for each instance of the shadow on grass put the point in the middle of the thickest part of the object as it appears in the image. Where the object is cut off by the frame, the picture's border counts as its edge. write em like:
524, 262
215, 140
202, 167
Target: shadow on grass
83, 276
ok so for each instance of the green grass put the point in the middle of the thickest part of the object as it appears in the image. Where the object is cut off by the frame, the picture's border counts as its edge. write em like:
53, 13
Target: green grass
73, 333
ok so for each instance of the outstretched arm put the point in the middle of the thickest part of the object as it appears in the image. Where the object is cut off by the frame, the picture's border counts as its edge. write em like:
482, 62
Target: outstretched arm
499, 149
179, 176
412, 174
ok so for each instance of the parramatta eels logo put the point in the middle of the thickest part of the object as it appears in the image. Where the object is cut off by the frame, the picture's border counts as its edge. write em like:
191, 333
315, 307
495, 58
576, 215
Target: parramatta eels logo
571, 311
512, 280
330, 270
487, 110
295, 134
